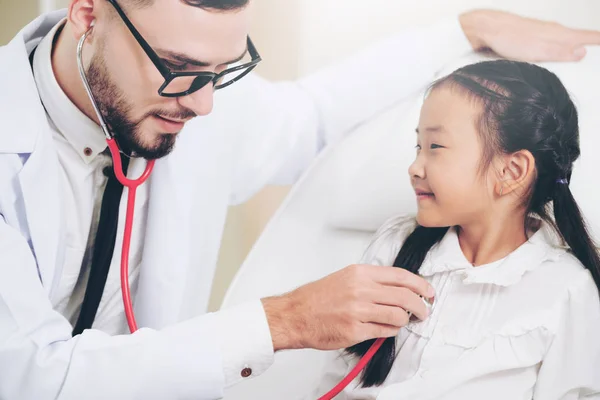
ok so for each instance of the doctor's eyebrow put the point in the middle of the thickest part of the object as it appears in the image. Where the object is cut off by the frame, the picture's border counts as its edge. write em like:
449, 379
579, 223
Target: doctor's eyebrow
175, 56
432, 129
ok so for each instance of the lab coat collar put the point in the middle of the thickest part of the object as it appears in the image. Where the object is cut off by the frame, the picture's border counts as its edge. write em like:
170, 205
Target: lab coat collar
18, 134
81, 132
447, 256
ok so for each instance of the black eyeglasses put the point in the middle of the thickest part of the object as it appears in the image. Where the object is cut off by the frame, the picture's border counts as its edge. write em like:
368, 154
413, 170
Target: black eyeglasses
179, 84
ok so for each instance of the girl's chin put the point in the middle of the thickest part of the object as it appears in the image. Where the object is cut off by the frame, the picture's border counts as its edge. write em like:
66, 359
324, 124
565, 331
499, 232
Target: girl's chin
426, 220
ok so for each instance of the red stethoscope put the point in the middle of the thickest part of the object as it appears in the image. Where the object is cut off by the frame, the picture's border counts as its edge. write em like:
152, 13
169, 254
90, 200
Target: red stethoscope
132, 185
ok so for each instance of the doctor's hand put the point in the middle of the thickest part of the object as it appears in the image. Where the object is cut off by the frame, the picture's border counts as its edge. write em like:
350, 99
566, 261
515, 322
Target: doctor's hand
525, 39
350, 306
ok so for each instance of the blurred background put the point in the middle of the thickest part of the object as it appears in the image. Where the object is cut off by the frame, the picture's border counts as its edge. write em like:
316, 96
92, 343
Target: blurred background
296, 37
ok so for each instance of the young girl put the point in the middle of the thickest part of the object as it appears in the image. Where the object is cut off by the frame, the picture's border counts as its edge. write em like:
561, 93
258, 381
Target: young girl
500, 237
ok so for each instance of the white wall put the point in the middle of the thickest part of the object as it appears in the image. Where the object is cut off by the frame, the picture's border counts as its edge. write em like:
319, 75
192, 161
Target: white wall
14, 14
45, 6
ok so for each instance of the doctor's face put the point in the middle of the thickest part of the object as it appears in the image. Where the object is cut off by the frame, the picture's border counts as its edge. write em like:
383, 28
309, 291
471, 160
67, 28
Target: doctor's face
125, 82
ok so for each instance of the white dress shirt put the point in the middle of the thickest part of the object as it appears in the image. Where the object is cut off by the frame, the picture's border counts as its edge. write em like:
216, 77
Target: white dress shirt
524, 327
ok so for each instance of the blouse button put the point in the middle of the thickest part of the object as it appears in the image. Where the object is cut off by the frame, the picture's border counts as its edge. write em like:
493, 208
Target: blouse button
246, 372
87, 151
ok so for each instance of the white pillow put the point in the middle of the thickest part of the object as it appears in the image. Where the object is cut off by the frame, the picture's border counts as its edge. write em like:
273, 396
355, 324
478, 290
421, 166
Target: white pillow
372, 165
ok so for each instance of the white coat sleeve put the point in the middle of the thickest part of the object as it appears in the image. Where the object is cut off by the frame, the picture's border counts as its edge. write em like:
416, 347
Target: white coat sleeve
40, 360
571, 368
281, 126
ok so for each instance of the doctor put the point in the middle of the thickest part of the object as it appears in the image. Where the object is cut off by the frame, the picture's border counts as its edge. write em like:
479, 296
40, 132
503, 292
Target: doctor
62, 325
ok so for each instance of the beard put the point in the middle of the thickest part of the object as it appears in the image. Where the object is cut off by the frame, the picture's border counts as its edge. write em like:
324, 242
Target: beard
116, 109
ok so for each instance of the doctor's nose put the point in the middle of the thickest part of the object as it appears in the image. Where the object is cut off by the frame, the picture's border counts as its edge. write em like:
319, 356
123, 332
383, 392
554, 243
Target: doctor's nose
200, 102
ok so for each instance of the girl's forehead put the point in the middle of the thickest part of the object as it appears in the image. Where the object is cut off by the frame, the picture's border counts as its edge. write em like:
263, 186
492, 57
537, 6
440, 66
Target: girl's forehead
449, 112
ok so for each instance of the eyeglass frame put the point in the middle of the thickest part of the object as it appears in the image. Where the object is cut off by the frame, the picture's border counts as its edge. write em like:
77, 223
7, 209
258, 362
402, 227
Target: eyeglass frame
169, 75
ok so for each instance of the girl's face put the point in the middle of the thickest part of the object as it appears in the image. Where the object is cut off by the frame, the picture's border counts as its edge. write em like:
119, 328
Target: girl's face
446, 173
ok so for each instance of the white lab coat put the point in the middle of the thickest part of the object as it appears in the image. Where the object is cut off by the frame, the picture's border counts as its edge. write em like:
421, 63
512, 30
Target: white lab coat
259, 133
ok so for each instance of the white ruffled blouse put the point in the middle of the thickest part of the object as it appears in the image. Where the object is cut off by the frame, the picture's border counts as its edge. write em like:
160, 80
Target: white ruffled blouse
524, 327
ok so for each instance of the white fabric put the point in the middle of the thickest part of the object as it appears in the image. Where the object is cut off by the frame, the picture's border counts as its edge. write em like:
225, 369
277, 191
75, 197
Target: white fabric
380, 165
258, 133
523, 327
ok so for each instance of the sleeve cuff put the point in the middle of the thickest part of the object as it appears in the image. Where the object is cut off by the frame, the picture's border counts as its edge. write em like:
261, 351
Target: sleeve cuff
245, 341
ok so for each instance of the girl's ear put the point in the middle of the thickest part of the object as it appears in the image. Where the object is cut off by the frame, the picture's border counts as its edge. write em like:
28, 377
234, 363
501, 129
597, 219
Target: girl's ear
517, 172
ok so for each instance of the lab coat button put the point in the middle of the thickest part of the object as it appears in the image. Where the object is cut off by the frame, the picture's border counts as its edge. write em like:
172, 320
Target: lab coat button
87, 151
246, 372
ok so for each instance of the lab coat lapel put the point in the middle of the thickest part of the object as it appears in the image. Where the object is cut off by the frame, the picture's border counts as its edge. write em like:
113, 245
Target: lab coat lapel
27, 134
166, 256
41, 197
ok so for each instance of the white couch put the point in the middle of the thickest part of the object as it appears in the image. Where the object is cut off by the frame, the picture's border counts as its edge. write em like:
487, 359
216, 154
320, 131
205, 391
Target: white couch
329, 217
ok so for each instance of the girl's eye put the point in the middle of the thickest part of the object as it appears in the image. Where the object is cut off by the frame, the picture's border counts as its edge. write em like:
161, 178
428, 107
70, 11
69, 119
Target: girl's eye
436, 146
418, 147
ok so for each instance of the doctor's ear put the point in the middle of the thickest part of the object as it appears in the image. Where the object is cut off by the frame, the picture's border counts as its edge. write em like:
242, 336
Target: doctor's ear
81, 16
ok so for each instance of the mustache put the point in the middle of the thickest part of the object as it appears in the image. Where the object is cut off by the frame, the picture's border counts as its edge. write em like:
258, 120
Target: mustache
180, 114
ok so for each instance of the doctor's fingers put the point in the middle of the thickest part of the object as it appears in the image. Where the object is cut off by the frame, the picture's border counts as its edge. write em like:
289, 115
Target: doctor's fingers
376, 331
575, 41
391, 316
582, 37
398, 277
385, 297
525, 39
560, 43
568, 47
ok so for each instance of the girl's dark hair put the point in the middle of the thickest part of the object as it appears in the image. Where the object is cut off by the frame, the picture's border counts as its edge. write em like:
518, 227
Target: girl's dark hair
524, 107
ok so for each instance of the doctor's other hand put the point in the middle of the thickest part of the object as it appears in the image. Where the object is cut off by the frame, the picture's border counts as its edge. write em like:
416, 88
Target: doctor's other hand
525, 39
357, 303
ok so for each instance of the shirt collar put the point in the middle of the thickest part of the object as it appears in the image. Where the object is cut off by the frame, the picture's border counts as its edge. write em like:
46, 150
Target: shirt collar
81, 132
447, 256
